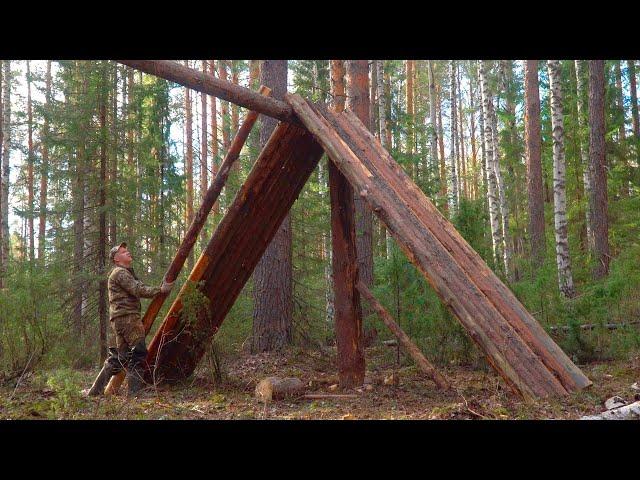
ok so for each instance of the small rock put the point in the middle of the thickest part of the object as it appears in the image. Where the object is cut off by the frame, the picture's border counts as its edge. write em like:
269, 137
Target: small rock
368, 387
333, 388
348, 416
614, 402
635, 387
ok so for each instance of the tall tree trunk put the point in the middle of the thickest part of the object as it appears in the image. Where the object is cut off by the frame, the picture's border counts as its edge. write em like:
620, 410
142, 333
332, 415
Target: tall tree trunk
235, 116
188, 164
78, 194
348, 310
563, 260
373, 100
272, 293
102, 236
204, 161
4, 181
384, 137
621, 129
224, 107
631, 67
462, 172
30, 162
483, 162
204, 154
587, 173
443, 169
44, 169
433, 127
454, 198
113, 162
409, 65
358, 103
492, 186
533, 144
507, 246
598, 167
472, 134
214, 135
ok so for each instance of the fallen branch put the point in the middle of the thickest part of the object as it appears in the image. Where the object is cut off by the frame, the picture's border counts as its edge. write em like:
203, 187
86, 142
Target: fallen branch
329, 396
422, 363
628, 412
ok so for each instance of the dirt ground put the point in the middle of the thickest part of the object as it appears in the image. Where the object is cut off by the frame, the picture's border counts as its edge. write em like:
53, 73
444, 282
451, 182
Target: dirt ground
479, 394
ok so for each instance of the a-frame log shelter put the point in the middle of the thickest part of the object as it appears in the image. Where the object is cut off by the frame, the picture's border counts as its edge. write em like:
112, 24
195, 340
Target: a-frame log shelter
514, 343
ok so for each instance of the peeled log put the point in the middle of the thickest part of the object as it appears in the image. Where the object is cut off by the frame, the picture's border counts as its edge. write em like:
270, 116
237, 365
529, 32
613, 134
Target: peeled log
276, 388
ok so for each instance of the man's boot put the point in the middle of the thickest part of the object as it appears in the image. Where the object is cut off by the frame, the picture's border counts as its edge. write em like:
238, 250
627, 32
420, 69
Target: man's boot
112, 365
136, 369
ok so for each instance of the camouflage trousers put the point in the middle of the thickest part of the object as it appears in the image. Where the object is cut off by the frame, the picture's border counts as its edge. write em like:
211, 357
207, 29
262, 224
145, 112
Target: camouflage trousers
128, 330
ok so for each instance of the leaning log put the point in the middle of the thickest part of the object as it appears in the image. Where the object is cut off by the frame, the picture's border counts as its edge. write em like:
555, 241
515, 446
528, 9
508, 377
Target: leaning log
502, 299
260, 206
412, 349
190, 238
205, 83
513, 346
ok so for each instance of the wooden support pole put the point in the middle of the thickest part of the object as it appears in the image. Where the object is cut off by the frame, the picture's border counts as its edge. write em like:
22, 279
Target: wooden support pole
412, 349
198, 222
206, 83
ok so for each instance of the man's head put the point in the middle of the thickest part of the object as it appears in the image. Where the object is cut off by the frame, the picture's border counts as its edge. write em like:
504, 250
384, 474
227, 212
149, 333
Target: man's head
120, 256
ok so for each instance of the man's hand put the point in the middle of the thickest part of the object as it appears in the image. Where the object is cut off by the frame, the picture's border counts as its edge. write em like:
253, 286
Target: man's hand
166, 286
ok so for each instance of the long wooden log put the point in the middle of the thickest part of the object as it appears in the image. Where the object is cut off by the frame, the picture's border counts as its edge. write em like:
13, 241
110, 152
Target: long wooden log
280, 172
500, 296
190, 238
413, 350
505, 350
206, 83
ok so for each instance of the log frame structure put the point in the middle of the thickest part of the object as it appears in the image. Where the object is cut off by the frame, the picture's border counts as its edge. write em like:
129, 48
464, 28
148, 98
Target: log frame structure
515, 344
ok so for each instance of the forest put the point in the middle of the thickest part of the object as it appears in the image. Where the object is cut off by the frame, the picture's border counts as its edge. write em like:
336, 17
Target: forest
535, 164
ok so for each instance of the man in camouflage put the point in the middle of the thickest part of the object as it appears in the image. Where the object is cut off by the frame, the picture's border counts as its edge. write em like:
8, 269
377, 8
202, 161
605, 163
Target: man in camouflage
125, 291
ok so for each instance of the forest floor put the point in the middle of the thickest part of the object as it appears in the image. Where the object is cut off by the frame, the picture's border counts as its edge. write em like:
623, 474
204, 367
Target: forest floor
480, 394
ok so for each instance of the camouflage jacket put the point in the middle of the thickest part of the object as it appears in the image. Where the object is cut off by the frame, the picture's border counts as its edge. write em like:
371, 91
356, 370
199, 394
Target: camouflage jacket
125, 291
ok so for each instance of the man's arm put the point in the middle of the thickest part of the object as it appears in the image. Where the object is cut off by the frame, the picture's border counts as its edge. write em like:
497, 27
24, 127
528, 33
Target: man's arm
136, 287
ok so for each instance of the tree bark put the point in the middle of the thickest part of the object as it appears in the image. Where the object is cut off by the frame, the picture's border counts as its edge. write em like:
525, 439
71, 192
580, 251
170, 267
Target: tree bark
188, 163
272, 295
433, 126
533, 144
30, 162
224, 106
102, 221
587, 174
4, 181
492, 186
631, 67
348, 310
597, 151
358, 103
454, 198
563, 260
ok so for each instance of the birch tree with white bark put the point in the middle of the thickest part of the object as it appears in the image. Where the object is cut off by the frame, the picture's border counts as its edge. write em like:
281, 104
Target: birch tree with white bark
492, 186
563, 260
